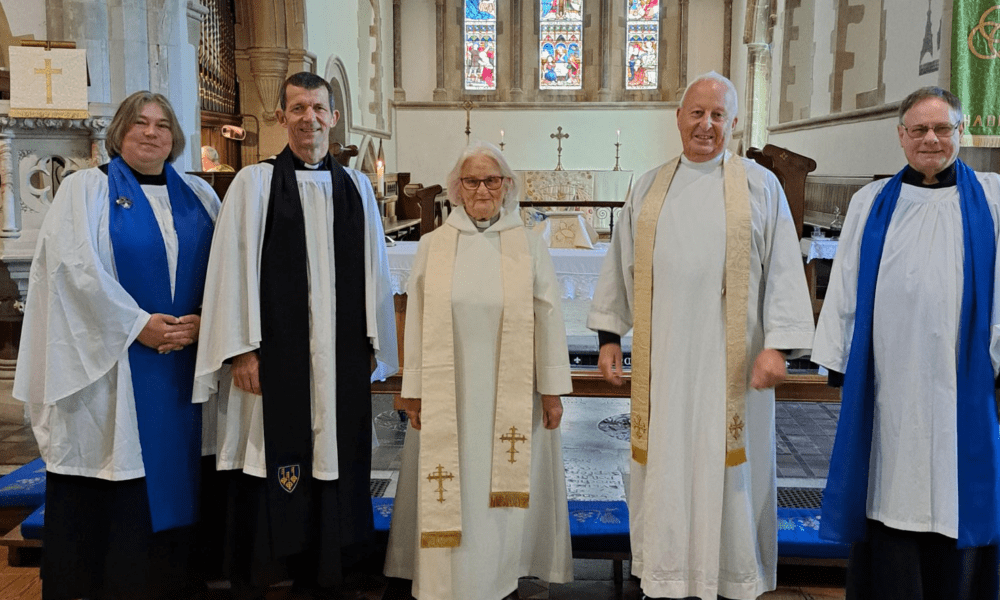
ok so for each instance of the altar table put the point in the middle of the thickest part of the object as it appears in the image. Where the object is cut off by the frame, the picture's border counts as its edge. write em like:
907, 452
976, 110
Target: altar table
576, 269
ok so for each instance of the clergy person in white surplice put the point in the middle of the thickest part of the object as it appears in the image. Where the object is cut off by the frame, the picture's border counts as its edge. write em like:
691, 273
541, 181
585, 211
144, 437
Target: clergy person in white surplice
482, 491
298, 310
107, 363
909, 327
705, 265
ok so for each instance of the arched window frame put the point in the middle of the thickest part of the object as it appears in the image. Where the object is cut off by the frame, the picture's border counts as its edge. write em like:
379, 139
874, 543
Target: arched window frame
560, 45
642, 50
480, 42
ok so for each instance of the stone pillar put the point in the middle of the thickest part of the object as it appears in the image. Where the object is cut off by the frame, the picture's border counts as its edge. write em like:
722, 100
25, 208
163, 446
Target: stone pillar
757, 37
269, 55
516, 40
604, 94
682, 41
398, 93
10, 209
440, 93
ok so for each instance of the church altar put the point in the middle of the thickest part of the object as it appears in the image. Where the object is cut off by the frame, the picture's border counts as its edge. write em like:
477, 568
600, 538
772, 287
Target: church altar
576, 269
815, 247
580, 188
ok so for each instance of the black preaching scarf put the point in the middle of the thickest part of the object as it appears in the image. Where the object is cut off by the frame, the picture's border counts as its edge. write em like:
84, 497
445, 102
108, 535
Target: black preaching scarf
284, 353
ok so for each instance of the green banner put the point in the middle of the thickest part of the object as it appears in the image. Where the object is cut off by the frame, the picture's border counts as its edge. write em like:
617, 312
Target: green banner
975, 69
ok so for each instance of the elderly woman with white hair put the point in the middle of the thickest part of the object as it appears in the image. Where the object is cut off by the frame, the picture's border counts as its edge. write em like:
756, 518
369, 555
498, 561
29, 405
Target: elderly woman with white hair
482, 492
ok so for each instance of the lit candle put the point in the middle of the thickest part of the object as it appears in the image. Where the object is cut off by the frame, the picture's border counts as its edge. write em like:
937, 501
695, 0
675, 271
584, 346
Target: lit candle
501, 136
618, 136
380, 170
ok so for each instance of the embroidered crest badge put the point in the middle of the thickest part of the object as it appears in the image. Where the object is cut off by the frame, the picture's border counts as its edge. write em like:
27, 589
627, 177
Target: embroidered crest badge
124, 203
288, 477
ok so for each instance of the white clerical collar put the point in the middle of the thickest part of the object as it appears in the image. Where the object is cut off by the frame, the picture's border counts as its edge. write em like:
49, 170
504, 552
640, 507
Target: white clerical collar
484, 225
708, 165
313, 167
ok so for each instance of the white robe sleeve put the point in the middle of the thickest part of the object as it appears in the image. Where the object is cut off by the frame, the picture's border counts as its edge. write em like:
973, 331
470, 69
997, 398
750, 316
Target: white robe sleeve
552, 372
78, 321
611, 307
835, 328
379, 306
786, 311
230, 318
413, 335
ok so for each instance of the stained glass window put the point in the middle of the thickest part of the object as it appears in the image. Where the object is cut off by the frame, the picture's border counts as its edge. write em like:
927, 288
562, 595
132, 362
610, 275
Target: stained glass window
641, 54
560, 53
480, 44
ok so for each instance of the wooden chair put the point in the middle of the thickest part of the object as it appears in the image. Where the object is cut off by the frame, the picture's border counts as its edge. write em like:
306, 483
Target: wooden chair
418, 202
219, 180
343, 154
791, 170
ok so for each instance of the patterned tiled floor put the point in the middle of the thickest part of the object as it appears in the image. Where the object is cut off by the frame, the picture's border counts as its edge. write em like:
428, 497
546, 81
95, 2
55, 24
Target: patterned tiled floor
596, 455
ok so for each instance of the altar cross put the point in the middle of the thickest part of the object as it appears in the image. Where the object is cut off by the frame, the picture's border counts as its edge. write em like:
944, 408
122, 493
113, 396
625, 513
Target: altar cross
560, 137
440, 475
513, 437
48, 71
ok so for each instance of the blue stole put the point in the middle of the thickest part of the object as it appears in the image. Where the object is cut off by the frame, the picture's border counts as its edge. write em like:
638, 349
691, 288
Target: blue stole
846, 497
169, 423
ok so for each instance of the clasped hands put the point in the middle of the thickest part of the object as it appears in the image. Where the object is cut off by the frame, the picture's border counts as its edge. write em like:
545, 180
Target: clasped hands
552, 411
768, 369
166, 333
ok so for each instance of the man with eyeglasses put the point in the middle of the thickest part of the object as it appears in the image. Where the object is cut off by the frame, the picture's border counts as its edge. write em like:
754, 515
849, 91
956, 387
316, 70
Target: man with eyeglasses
909, 328
705, 266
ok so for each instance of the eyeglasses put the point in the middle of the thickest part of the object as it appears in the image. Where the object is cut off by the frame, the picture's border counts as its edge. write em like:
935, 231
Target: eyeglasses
472, 184
918, 132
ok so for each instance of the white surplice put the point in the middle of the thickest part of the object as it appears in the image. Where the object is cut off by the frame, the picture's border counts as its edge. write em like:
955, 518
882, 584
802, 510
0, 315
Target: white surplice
913, 481
230, 322
73, 368
498, 544
699, 528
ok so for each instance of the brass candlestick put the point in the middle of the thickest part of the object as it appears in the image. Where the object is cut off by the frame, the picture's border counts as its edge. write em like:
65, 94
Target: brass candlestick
617, 168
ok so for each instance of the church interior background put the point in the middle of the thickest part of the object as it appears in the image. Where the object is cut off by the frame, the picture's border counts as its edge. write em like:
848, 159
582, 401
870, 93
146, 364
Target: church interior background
588, 86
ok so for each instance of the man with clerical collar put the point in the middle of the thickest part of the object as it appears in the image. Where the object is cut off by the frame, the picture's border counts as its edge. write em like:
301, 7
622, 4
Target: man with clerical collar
298, 313
909, 327
705, 267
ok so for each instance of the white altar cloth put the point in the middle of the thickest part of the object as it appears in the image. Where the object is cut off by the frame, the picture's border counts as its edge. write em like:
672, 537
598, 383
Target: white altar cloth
576, 269
818, 248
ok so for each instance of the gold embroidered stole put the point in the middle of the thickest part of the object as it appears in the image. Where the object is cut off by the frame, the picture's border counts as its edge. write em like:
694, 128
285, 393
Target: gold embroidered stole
440, 504
736, 296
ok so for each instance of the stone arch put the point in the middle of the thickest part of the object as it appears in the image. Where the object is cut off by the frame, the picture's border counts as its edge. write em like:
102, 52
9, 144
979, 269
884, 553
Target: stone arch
336, 74
367, 155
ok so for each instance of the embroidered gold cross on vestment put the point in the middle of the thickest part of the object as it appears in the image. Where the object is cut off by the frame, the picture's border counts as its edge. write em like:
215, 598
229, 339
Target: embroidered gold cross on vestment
440, 475
513, 437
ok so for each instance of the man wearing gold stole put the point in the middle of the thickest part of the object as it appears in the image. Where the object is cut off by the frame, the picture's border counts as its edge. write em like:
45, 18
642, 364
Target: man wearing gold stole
482, 491
706, 267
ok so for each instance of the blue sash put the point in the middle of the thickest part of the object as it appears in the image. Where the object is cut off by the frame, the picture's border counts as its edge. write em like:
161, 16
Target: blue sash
846, 497
169, 424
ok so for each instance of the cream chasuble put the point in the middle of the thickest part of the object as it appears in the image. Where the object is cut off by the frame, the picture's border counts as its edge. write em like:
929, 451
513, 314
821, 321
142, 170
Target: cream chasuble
737, 277
441, 508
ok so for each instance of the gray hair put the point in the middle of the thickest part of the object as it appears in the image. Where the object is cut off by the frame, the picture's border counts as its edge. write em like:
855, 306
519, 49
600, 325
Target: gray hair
731, 99
480, 148
210, 153
930, 91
